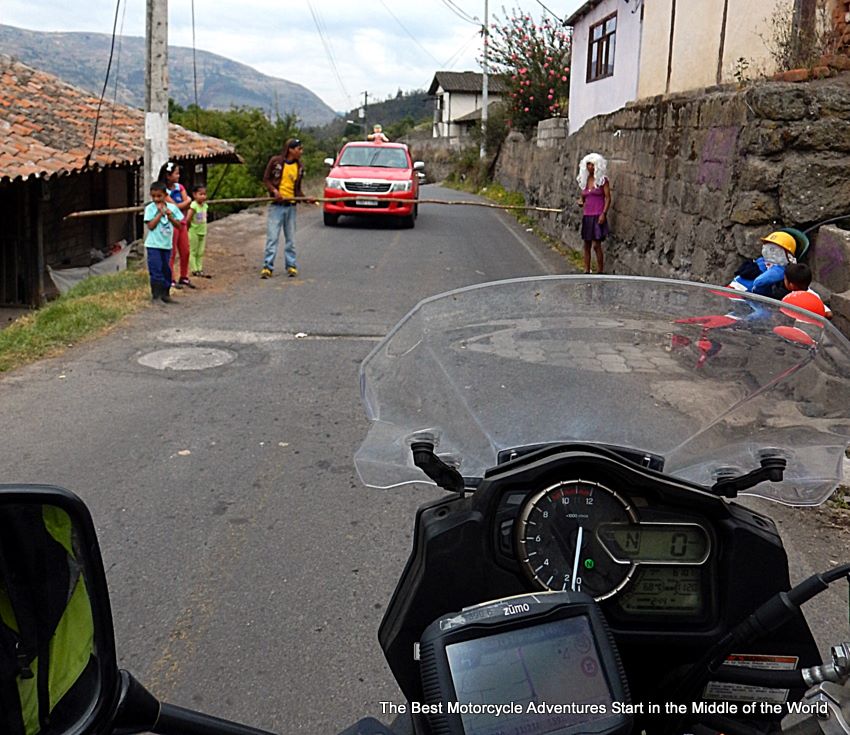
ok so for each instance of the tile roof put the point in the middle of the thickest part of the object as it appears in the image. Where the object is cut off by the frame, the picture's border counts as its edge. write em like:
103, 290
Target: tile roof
46, 129
466, 81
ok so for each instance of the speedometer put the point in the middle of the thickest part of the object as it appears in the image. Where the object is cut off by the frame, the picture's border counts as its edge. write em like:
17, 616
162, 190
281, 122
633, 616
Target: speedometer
557, 540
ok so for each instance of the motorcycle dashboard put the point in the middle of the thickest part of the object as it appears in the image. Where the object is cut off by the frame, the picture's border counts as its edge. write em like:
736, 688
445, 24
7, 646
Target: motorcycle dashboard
610, 534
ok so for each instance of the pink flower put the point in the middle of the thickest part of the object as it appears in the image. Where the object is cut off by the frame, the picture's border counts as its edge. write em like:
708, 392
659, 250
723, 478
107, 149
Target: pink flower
550, 96
525, 109
531, 98
563, 79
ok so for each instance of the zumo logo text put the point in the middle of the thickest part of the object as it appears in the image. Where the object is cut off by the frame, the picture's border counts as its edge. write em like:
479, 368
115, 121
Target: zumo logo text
514, 609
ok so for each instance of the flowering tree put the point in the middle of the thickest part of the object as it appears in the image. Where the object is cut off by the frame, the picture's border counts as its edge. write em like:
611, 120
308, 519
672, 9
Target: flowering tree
535, 61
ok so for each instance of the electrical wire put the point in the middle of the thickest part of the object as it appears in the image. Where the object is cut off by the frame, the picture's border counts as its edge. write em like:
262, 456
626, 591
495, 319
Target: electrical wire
554, 15
195, 72
117, 71
328, 49
456, 55
460, 12
105, 83
386, 7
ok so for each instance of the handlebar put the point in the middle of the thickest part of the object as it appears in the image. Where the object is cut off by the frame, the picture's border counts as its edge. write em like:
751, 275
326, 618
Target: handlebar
174, 720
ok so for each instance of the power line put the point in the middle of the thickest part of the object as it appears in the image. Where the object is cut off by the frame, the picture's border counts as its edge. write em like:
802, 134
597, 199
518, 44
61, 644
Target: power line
195, 72
460, 12
105, 83
328, 49
117, 71
456, 55
408, 32
554, 15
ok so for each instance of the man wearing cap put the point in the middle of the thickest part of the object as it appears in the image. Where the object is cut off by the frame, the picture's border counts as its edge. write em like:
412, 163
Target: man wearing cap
283, 176
765, 274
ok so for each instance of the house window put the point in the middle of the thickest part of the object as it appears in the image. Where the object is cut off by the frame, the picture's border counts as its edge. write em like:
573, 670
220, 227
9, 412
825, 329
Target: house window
600, 49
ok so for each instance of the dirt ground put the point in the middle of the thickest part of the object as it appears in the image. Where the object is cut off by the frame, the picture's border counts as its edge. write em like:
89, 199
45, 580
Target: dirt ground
234, 250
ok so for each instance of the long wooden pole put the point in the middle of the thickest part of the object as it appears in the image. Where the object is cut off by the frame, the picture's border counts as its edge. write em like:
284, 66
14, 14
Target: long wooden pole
262, 200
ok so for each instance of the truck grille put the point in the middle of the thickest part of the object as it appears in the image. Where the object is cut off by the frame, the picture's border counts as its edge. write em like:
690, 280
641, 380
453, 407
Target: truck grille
367, 187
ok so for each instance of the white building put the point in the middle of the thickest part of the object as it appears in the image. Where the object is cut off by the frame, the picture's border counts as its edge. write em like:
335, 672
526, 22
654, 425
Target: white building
605, 60
458, 95
631, 49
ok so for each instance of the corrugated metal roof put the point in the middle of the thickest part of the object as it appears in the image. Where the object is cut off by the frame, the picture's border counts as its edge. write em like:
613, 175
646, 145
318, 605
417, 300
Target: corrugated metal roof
46, 129
466, 81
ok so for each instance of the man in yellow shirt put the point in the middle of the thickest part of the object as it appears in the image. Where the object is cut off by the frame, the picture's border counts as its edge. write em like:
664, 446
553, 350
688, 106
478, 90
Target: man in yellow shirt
283, 176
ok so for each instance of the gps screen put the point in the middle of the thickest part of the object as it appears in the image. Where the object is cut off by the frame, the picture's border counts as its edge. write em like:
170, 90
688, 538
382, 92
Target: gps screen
549, 673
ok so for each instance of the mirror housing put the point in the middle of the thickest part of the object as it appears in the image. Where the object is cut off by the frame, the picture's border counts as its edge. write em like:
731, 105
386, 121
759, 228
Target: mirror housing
329, 162
418, 165
53, 586
53, 597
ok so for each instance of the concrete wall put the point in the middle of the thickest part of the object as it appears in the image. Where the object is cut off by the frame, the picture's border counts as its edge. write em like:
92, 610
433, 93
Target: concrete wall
696, 180
696, 48
610, 93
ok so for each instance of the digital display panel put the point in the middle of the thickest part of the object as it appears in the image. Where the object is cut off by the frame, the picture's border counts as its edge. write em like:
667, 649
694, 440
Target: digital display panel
664, 591
550, 664
679, 543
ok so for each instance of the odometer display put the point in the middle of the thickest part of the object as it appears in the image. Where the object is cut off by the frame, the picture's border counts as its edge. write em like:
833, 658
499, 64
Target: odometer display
664, 591
557, 538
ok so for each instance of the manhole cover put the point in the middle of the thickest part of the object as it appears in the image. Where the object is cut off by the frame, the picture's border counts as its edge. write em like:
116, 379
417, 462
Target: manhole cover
187, 358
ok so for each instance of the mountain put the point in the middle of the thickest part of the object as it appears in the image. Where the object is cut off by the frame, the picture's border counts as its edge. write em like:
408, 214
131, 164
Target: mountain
415, 106
81, 59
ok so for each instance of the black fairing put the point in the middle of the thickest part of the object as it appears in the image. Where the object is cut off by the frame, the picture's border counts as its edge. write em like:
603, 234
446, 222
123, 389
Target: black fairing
460, 558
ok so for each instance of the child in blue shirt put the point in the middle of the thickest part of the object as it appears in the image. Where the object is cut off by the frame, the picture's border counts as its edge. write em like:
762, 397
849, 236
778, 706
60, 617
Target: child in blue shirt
160, 219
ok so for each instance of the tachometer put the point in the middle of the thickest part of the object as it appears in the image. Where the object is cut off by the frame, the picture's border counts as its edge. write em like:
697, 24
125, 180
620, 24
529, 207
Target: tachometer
557, 540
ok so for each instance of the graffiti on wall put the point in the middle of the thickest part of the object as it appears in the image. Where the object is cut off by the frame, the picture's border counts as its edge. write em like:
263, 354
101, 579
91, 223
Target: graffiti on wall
718, 157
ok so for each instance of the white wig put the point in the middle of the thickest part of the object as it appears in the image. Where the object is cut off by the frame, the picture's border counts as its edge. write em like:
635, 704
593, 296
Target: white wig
600, 170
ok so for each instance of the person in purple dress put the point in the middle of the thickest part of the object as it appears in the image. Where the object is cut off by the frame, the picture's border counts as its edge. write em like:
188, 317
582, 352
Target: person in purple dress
596, 201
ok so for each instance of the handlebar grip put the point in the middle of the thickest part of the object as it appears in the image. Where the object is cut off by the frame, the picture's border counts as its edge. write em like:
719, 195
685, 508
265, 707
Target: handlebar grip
174, 720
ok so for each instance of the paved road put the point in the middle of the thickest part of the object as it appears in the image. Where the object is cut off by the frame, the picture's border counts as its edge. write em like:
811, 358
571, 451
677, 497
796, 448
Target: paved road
249, 568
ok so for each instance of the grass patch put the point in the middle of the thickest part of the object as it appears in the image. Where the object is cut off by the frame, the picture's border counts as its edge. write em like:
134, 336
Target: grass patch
497, 193
86, 310
840, 499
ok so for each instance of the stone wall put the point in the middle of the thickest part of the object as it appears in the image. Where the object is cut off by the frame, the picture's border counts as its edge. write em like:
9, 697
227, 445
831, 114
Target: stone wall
698, 178
438, 154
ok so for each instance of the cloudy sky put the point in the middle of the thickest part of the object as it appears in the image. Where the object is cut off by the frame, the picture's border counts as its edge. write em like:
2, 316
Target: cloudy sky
336, 48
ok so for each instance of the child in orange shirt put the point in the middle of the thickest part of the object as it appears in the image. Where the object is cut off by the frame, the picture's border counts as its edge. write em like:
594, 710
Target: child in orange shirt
798, 277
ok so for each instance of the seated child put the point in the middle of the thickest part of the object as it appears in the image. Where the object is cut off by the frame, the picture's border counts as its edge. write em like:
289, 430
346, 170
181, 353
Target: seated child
798, 277
764, 275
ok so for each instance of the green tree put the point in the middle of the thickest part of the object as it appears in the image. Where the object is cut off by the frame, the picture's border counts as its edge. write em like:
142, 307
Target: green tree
535, 61
256, 139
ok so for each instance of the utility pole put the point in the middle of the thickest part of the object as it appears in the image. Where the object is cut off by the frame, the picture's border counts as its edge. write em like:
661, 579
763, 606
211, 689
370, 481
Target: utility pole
486, 32
156, 90
363, 113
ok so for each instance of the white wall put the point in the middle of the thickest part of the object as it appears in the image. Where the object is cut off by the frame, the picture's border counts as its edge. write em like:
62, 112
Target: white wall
611, 93
696, 46
455, 105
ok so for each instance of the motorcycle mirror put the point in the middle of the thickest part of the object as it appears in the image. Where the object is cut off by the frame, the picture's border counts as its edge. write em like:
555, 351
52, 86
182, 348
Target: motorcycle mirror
58, 669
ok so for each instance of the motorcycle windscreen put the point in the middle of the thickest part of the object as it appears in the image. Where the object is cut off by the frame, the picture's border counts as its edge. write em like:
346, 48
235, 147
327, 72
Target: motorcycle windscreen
708, 378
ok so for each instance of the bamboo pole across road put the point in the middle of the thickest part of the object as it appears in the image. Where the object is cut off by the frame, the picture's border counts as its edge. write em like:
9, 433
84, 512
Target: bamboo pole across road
318, 200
